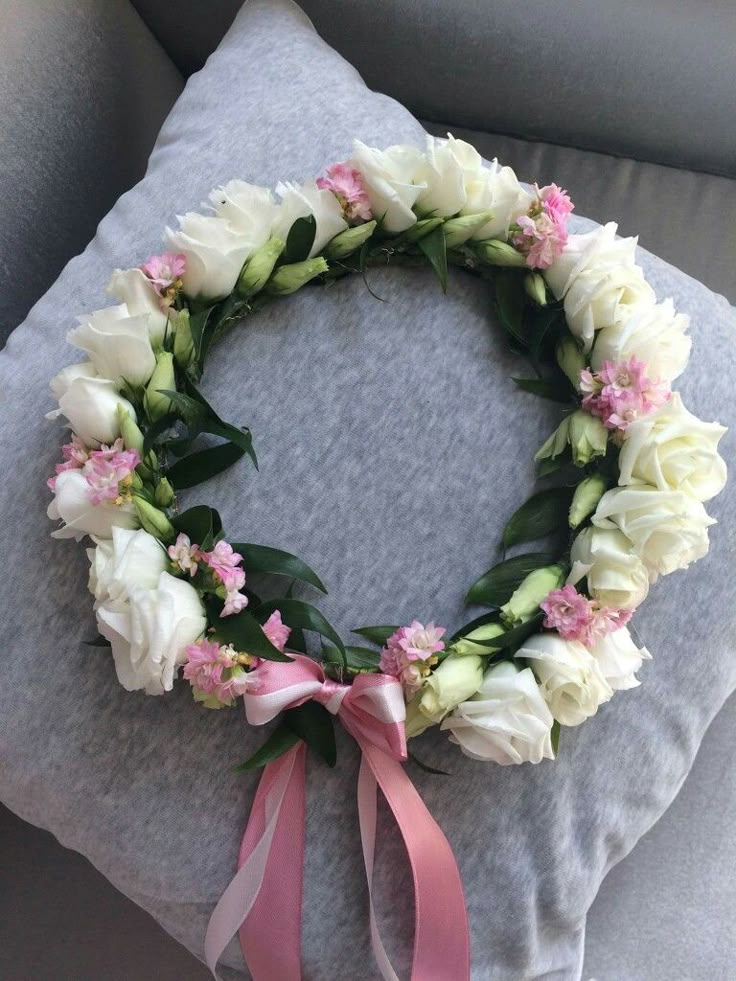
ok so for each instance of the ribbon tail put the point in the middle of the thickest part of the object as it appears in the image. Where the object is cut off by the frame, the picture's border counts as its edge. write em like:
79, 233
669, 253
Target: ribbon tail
441, 936
263, 903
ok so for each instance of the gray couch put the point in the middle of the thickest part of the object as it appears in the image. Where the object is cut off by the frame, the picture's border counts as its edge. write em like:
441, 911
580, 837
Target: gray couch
638, 130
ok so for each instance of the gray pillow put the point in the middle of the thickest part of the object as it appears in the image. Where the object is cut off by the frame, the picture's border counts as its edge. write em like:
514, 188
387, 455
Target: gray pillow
393, 447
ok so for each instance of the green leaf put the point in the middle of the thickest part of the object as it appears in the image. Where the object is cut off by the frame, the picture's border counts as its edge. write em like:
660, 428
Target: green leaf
279, 742
98, 641
377, 635
556, 391
425, 766
495, 587
155, 432
517, 635
201, 523
478, 622
304, 616
433, 246
200, 417
300, 240
551, 465
198, 323
544, 513
245, 633
315, 725
555, 736
200, 466
511, 300
262, 558
358, 660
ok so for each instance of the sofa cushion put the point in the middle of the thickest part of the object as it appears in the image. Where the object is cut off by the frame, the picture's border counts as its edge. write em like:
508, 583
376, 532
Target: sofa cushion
390, 442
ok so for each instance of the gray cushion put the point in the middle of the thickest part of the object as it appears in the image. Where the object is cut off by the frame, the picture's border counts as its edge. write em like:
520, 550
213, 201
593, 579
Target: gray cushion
84, 89
392, 449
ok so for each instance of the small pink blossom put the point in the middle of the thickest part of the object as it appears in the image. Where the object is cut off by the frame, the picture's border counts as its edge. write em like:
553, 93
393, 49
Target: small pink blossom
165, 270
206, 661
276, 631
224, 562
575, 617
346, 183
234, 602
410, 653
75, 455
621, 392
540, 239
106, 469
556, 203
183, 554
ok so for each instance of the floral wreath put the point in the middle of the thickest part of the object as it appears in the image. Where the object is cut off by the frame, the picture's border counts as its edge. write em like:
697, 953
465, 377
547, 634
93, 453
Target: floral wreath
626, 472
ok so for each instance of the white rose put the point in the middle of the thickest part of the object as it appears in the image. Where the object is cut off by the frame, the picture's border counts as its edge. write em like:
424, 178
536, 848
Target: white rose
136, 291
493, 188
150, 632
392, 182
91, 406
71, 504
60, 383
214, 251
302, 200
250, 209
444, 175
130, 560
616, 575
668, 529
655, 334
619, 659
506, 721
118, 345
601, 284
672, 449
569, 677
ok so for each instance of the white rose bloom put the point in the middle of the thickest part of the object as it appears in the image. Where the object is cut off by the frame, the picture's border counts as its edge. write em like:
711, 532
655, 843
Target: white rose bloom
444, 175
135, 290
493, 188
302, 200
91, 406
60, 383
71, 504
214, 250
619, 659
250, 209
506, 721
392, 182
601, 284
672, 449
130, 560
655, 334
569, 676
668, 529
616, 575
118, 345
150, 631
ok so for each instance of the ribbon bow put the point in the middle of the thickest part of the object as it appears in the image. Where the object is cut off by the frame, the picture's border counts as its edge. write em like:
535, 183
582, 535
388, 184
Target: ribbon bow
271, 860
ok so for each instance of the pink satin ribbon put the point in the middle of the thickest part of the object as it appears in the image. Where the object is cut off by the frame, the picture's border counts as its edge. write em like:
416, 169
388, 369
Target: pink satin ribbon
263, 902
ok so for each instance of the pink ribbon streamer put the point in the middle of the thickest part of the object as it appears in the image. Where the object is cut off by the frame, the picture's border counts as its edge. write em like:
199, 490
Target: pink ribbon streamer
263, 902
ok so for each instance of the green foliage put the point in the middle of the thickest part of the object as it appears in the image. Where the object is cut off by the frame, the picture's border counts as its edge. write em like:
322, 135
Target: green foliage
539, 516
496, 586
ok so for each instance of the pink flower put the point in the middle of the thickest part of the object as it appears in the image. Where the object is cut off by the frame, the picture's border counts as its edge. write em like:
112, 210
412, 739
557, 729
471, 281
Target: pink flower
346, 183
75, 456
411, 652
621, 392
575, 617
276, 631
106, 469
540, 239
234, 602
556, 203
165, 270
183, 554
224, 562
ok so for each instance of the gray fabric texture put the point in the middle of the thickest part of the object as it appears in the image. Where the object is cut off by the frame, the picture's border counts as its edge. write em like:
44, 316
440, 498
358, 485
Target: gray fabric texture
392, 449
84, 88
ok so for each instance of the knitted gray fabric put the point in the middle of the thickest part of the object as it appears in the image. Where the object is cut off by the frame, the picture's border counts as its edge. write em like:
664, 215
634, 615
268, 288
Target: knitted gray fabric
393, 447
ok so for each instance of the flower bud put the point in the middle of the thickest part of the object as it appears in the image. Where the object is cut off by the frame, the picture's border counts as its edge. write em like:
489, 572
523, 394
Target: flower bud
162, 379
586, 497
132, 436
290, 278
571, 359
164, 493
136, 481
478, 641
556, 443
416, 721
536, 288
527, 596
459, 230
421, 228
588, 437
454, 681
349, 241
183, 343
258, 268
497, 253
152, 520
